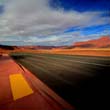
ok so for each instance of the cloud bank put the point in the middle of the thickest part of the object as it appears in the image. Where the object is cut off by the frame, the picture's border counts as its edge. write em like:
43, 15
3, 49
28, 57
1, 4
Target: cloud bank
35, 21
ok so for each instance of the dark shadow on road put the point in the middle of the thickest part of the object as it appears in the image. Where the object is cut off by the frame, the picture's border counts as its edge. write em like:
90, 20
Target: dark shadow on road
92, 93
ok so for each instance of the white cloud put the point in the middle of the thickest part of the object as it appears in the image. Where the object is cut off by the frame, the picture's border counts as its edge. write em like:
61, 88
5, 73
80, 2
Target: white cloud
36, 18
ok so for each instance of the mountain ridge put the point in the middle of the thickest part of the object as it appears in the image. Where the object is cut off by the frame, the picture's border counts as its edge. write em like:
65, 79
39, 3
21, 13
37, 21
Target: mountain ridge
102, 42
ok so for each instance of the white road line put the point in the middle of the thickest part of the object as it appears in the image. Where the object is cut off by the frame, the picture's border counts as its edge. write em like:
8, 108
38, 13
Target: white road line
48, 72
72, 56
77, 61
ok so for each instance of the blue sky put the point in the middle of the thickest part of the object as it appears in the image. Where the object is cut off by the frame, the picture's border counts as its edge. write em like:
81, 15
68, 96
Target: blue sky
53, 22
82, 5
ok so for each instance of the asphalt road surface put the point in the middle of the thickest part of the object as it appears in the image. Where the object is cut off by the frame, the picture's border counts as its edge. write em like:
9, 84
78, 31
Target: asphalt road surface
83, 81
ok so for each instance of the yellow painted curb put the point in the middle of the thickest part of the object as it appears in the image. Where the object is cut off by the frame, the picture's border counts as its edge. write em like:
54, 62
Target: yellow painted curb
19, 86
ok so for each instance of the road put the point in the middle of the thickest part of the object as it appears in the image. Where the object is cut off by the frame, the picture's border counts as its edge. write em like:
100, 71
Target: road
80, 80
21, 90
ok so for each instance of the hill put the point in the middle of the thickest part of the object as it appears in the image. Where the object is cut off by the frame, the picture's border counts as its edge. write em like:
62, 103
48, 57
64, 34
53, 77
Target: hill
103, 42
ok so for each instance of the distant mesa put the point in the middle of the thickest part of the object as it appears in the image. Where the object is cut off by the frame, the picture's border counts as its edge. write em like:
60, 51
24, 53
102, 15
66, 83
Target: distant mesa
5, 47
41, 47
103, 42
36, 47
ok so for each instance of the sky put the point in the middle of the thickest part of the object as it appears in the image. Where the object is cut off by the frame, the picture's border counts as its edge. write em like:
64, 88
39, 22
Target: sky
53, 22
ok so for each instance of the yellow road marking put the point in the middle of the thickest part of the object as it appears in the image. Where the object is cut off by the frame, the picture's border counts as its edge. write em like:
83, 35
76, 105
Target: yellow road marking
19, 86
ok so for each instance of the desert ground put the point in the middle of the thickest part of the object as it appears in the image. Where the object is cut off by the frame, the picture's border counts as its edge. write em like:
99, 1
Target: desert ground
77, 51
